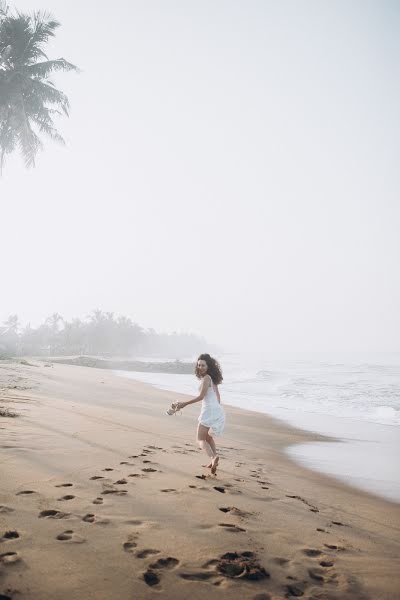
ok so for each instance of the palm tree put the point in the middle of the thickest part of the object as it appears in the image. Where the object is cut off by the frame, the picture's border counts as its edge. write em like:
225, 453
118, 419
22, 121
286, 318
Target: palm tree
28, 98
12, 323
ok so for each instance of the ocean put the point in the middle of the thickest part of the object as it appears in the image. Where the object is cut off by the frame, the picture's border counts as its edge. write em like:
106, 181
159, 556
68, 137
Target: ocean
355, 398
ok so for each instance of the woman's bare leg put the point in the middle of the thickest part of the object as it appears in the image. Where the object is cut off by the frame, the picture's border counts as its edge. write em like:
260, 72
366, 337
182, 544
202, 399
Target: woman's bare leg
202, 438
210, 440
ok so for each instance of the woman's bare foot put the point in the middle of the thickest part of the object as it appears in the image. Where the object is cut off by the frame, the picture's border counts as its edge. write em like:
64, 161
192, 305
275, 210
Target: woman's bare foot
214, 465
207, 466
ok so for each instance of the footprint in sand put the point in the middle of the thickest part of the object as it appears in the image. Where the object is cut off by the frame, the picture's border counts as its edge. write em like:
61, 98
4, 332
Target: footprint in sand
243, 565
67, 497
25, 492
219, 489
295, 589
165, 563
5, 509
96, 477
108, 469
121, 482
194, 576
317, 574
151, 578
67, 484
312, 509
98, 501
8, 558
91, 518
131, 544
334, 547
135, 475
10, 535
134, 456
147, 552
149, 470
70, 536
168, 490
116, 492
312, 552
230, 527
235, 511
210, 563
53, 514
326, 563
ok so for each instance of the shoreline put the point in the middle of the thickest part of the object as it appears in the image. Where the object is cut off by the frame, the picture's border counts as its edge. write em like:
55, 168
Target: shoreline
346, 462
76, 422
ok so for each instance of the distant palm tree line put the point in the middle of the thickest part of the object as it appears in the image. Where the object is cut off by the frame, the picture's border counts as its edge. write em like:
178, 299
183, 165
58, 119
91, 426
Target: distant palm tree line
29, 100
100, 334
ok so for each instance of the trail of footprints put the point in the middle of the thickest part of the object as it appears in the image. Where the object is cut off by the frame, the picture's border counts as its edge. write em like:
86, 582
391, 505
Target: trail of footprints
233, 565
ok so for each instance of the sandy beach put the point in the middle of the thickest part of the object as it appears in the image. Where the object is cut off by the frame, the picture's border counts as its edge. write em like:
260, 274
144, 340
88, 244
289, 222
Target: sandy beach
103, 496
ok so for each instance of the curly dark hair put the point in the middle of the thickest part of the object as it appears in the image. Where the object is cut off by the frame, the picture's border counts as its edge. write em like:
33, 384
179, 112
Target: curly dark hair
213, 370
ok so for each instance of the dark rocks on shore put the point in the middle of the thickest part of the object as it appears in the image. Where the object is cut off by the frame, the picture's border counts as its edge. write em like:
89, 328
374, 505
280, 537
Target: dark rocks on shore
176, 366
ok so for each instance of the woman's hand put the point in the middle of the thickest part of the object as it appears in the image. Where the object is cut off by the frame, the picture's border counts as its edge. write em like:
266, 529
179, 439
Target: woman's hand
180, 405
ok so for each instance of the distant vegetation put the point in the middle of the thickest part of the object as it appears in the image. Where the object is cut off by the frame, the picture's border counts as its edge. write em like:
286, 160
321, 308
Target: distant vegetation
100, 334
29, 100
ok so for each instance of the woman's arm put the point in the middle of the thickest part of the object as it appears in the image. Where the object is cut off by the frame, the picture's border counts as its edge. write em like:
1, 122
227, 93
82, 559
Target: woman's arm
204, 387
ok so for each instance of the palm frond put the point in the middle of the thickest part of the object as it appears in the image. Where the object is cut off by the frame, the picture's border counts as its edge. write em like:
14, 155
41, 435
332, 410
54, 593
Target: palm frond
29, 145
15, 32
7, 139
43, 69
3, 9
42, 26
45, 127
42, 117
23, 135
49, 94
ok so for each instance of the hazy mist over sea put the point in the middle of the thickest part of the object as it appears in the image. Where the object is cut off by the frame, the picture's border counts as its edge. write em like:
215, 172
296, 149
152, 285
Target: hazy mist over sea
230, 170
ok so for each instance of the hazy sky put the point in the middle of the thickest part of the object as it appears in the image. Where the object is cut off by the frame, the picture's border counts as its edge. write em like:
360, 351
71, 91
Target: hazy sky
232, 169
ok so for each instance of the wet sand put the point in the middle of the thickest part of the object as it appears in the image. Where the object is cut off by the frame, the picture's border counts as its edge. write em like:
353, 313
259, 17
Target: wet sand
102, 496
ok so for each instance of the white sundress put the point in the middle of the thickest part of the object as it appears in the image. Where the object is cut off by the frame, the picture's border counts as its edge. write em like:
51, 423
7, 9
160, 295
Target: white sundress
212, 414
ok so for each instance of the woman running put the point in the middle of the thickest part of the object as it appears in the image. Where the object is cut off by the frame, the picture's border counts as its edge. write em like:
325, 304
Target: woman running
212, 417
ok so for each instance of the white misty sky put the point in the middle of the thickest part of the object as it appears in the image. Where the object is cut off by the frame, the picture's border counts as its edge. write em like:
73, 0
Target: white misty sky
231, 169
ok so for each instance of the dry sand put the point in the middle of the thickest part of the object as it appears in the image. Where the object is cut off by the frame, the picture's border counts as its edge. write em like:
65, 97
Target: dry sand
103, 496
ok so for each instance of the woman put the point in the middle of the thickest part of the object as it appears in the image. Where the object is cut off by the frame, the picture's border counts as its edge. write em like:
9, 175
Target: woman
212, 417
